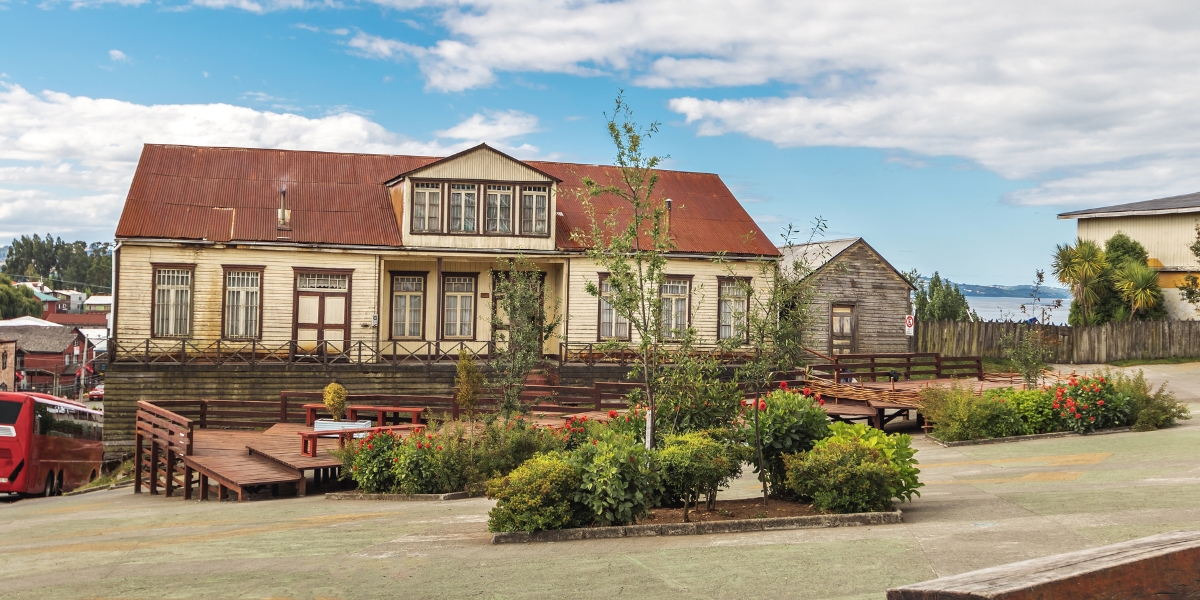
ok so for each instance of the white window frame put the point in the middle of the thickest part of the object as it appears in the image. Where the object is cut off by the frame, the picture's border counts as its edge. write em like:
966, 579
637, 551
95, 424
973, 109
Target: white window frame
612, 326
427, 207
173, 301
322, 282
676, 294
243, 295
407, 322
535, 210
733, 304
464, 202
458, 306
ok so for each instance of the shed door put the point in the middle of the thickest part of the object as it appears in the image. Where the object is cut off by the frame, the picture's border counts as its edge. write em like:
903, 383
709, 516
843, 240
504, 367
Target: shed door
322, 311
842, 339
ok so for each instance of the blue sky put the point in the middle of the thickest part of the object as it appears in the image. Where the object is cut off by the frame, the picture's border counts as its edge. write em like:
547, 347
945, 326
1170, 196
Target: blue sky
948, 138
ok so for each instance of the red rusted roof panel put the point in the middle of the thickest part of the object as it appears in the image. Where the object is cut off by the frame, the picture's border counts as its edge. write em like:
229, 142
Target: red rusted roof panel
232, 194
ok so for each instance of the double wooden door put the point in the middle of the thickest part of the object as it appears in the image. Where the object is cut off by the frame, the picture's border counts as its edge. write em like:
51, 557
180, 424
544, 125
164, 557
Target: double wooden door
322, 312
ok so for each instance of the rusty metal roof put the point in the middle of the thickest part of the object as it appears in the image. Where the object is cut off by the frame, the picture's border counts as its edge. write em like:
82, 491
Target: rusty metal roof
232, 194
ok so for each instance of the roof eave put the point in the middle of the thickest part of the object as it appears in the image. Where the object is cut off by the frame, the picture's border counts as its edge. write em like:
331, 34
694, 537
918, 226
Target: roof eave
1128, 213
402, 176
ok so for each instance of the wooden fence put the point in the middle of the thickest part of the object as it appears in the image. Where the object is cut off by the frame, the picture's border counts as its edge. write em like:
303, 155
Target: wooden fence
1068, 345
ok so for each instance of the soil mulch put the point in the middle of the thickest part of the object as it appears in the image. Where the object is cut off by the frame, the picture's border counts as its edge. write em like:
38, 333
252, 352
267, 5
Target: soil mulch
729, 510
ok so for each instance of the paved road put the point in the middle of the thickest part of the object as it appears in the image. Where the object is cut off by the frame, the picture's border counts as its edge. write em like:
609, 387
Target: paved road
982, 505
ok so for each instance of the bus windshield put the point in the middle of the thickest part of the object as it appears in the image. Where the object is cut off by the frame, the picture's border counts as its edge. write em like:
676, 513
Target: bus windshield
9, 411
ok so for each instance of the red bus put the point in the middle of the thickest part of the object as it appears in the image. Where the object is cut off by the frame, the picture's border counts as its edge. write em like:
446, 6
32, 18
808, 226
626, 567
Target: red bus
48, 445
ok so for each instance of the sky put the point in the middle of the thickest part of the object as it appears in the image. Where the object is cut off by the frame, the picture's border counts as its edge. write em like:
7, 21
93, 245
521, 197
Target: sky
946, 133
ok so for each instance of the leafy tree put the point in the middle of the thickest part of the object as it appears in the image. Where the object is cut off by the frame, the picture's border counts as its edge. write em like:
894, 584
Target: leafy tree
1097, 279
939, 300
521, 329
62, 264
468, 384
17, 301
1082, 268
631, 244
1138, 285
1190, 288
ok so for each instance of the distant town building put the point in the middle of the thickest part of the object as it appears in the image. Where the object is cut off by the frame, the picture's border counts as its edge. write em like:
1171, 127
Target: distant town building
1166, 227
73, 298
860, 299
98, 304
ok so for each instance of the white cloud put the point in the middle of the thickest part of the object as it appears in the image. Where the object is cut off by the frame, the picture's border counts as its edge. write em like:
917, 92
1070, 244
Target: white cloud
66, 161
117, 56
1087, 99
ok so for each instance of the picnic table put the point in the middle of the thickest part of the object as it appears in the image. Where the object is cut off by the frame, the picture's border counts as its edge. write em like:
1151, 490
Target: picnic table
381, 412
308, 439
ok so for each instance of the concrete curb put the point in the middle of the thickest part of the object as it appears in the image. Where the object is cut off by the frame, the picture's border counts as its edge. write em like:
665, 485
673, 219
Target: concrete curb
1023, 438
411, 497
123, 484
737, 526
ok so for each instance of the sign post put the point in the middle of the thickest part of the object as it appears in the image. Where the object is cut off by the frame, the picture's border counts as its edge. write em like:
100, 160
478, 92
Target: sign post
909, 323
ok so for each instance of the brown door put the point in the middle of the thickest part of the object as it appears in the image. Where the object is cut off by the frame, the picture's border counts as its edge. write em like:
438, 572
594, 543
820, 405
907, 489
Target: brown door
841, 339
322, 311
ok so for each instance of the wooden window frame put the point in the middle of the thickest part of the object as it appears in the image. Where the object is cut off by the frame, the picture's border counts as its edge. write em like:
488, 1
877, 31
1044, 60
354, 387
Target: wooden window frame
721, 280
512, 226
518, 188
296, 271
521, 208
442, 307
392, 275
412, 228
449, 208
154, 268
690, 280
225, 269
600, 314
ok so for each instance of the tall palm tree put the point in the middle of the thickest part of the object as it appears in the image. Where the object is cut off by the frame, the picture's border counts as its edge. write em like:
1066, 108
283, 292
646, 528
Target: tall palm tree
1081, 267
1138, 285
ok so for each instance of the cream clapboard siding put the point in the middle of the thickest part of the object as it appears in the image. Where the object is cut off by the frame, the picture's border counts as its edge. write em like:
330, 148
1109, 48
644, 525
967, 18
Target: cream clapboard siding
1166, 237
481, 269
483, 164
584, 309
135, 287
402, 191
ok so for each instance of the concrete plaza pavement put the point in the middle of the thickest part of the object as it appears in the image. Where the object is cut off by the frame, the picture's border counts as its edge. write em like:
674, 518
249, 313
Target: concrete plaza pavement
982, 505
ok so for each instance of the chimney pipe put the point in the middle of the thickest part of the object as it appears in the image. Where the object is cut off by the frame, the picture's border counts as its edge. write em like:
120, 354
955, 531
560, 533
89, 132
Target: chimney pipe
285, 215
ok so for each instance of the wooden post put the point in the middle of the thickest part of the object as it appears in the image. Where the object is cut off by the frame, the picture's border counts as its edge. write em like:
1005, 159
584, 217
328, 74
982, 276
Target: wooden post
153, 466
203, 414
138, 456
169, 484
187, 481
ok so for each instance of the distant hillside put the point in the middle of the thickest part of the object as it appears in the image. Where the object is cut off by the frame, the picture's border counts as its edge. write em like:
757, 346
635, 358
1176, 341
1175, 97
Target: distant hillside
1012, 291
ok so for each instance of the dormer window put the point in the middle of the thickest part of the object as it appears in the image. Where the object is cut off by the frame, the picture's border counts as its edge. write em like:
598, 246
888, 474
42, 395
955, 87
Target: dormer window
462, 207
499, 209
427, 207
534, 203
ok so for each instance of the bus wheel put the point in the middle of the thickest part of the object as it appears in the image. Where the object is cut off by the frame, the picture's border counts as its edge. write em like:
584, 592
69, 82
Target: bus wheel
58, 484
49, 489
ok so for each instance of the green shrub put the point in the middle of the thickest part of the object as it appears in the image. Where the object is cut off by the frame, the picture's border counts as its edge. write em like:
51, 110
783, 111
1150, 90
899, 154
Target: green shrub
788, 423
368, 462
958, 414
415, 465
1150, 409
619, 482
1086, 404
536, 496
694, 463
843, 476
693, 397
1035, 407
896, 448
334, 398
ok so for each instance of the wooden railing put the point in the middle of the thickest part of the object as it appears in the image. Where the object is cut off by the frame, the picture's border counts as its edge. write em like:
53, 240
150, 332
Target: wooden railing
169, 436
898, 366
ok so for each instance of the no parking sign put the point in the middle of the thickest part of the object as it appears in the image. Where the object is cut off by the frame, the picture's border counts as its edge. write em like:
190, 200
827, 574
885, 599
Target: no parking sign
909, 321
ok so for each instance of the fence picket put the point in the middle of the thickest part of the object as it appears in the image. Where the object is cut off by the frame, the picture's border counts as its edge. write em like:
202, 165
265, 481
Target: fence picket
1075, 345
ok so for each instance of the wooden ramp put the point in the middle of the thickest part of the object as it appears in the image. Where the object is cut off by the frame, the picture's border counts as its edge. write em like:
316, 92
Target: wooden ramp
220, 458
280, 446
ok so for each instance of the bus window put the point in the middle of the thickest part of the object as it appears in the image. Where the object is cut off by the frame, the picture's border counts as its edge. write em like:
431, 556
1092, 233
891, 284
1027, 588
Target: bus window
9, 411
61, 421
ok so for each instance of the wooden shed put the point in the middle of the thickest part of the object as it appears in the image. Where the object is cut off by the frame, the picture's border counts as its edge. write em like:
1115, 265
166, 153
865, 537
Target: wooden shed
861, 300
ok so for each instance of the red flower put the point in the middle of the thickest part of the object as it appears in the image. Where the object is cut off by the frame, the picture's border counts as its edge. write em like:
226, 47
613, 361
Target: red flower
1054, 406
819, 398
1077, 416
783, 385
822, 402
762, 405
439, 447
593, 442
1100, 403
1091, 418
370, 446
612, 414
630, 459
807, 391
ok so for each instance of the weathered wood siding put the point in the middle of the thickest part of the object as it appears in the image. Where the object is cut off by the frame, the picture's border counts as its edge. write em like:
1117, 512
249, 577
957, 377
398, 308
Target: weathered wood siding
584, 309
860, 277
1068, 345
136, 284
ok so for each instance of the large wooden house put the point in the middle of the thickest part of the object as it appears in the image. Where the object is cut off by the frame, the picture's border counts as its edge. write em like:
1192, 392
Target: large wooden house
290, 253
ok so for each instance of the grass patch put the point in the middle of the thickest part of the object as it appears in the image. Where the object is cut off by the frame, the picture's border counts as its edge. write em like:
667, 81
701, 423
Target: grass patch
1134, 362
998, 365
123, 472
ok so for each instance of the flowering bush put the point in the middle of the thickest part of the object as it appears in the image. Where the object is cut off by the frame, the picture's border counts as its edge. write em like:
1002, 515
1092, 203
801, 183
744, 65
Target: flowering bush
536, 496
843, 476
632, 422
369, 462
895, 448
1086, 404
1150, 409
415, 464
789, 422
578, 430
693, 396
619, 480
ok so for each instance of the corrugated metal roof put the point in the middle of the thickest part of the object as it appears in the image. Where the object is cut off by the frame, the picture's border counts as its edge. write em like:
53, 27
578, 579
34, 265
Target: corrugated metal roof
1186, 203
815, 255
35, 338
232, 194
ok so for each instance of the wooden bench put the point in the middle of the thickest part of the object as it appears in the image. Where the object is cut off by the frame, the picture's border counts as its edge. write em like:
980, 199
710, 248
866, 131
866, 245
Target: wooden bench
1161, 566
308, 439
381, 413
